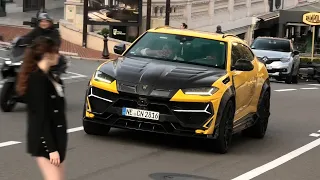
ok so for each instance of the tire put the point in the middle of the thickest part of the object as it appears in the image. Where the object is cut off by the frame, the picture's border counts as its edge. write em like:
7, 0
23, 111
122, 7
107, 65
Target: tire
295, 79
318, 79
288, 79
95, 128
7, 102
258, 130
225, 131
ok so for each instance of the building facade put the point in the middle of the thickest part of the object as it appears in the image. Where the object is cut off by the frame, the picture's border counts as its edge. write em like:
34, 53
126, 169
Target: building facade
238, 17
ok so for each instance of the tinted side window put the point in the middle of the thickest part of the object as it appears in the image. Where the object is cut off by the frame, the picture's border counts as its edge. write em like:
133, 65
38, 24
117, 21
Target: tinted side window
236, 53
247, 53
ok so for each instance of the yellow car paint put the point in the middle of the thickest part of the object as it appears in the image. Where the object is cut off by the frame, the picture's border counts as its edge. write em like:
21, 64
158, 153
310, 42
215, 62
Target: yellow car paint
247, 84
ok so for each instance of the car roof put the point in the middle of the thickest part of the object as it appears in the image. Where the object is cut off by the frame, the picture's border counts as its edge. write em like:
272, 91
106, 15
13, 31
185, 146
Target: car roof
196, 33
277, 38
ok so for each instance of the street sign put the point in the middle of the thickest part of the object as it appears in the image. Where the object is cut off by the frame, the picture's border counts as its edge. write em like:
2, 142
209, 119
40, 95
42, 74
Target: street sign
312, 18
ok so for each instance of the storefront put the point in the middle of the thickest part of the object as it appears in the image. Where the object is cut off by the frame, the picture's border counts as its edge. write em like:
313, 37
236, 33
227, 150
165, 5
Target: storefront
300, 24
295, 24
121, 17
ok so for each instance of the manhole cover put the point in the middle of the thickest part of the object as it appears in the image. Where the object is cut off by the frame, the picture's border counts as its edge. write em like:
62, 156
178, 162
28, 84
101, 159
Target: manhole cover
176, 176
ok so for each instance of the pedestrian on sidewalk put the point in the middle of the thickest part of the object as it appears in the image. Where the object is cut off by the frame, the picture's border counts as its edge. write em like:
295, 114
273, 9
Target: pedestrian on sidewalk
44, 94
184, 26
219, 31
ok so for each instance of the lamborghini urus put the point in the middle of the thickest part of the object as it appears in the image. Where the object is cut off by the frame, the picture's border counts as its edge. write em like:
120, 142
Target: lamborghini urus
181, 82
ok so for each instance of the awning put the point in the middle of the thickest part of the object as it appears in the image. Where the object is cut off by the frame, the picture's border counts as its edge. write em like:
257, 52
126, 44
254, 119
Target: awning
269, 16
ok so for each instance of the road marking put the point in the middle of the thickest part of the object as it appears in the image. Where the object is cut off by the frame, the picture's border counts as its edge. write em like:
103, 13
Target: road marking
2, 49
76, 75
314, 135
9, 143
309, 88
279, 161
81, 75
282, 90
314, 84
75, 129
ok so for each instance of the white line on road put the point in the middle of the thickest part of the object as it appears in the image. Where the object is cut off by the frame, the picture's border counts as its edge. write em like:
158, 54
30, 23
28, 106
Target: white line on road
314, 84
277, 162
9, 143
309, 88
75, 129
71, 77
282, 90
314, 135
80, 75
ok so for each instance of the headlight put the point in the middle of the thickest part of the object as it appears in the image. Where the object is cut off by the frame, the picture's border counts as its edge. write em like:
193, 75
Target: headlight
100, 76
204, 91
285, 59
7, 62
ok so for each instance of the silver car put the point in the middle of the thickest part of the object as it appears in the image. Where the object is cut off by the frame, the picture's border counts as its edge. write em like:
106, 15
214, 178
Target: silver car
281, 60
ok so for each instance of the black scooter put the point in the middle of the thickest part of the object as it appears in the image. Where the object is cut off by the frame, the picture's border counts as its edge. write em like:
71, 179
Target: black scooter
310, 71
10, 70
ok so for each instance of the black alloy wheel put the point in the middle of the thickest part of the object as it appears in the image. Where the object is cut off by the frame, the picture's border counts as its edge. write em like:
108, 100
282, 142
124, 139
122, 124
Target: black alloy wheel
258, 130
225, 131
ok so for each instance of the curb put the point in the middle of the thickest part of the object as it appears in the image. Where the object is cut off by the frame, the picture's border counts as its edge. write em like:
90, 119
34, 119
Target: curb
84, 58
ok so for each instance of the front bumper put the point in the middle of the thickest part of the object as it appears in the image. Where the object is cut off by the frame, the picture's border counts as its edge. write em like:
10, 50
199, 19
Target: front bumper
278, 68
178, 118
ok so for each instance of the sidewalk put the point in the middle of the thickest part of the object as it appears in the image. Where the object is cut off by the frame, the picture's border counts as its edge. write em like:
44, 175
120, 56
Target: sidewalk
10, 32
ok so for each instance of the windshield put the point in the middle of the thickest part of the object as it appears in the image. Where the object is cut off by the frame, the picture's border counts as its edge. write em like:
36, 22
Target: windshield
178, 48
271, 45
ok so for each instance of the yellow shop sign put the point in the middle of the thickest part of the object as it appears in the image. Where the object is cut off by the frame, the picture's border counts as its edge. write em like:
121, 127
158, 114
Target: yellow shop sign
311, 18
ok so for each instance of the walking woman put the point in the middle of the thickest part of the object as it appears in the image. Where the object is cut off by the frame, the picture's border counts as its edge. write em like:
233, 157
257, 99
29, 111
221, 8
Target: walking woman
44, 95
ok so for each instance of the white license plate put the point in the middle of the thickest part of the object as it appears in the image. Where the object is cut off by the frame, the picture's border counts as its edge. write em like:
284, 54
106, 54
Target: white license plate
268, 66
140, 113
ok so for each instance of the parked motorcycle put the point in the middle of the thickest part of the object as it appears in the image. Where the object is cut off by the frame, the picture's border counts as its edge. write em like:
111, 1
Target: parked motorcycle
310, 71
10, 70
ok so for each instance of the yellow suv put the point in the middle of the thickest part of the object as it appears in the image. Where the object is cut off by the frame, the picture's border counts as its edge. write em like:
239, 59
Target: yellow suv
181, 82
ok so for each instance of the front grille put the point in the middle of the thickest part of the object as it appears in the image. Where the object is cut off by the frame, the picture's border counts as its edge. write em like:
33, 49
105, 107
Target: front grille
269, 61
187, 114
98, 105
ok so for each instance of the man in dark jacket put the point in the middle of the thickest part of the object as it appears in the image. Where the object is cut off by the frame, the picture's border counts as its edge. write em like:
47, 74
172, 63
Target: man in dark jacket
219, 31
44, 28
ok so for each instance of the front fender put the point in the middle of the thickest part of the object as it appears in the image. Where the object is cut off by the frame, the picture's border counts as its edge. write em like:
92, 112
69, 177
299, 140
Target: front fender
228, 94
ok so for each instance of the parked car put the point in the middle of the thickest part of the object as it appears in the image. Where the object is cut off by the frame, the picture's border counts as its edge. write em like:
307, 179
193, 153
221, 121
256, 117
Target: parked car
181, 82
279, 56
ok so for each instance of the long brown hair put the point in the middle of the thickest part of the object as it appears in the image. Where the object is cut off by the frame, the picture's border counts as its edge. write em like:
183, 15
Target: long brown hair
32, 56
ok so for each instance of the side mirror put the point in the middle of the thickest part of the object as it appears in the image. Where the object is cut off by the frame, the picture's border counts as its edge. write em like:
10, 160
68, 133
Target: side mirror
295, 52
119, 49
243, 65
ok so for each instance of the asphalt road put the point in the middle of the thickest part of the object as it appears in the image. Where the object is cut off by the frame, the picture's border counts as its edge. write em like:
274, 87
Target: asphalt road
289, 151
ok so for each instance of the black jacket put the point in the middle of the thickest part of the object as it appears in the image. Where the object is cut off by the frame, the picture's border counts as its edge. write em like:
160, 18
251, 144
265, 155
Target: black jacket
46, 115
36, 32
